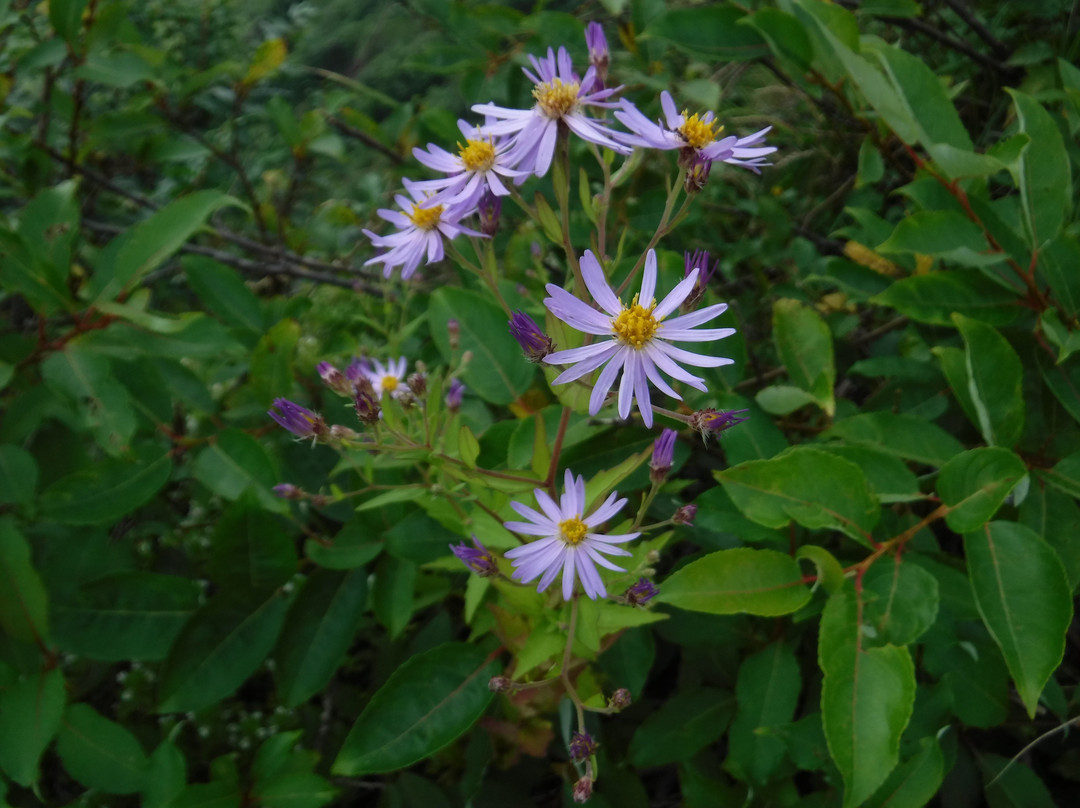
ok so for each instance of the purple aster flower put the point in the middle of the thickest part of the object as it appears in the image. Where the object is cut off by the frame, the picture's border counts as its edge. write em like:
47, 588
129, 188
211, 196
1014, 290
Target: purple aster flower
389, 378
560, 98
638, 338
696, 133
716, 421
475, 169
454, 395
420, 232
533, 341
663, 455
641, 593
599, 57
569, 544
477, 558
582, 747
301, 421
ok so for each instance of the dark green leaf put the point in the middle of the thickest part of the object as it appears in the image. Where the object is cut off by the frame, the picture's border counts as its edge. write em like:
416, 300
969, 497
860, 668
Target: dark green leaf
1043, 172
711, 30
804, 344
87, 379
683, 725
915, 781
902, 435
30, 712
108, 490
23, 602
975, 483
427, 703
768, 693
236, 462
18, 476
223, 291
901, 601
995, 377
100, 753
764, 582
252, 551
934, 297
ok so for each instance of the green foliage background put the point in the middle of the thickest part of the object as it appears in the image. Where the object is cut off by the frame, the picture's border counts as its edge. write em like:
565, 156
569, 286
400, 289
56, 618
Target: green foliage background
874, 605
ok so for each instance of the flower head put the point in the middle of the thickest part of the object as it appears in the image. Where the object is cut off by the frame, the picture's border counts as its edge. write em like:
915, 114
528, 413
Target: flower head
454, 395
663, 455
561, 97
698, 134
422, 226
620, 699
638, 338
288, 491
570, 544
700, 260
599, 57
476, 168
388, 379
685, 515
301, 421
710, 421
582, 747
641, 593
533, 341
477, 558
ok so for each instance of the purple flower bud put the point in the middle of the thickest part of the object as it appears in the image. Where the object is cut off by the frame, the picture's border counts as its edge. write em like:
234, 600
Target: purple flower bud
582, 747
288, 491
598, 55
455, 395
301, 421
685, 515
534, 342
357, 369
453, 333
417, 383
500, 684
477, 558
698, 167
366, 402
583, 790
343, 433
716, 421
641, 593
489, 207
620, 699
334, 378
699, 260
663, 455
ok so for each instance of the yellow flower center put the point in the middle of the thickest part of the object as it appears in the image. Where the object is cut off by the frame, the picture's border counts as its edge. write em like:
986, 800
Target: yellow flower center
556, 99
426, 218
477, 155
698, 133
389, 384
572, 530
636, 325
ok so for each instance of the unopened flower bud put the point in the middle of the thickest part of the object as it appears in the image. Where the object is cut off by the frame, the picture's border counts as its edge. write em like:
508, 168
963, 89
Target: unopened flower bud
334, 379
599, 56
454, 395
338, 432
500, 684
301, 421
489, 207
582, 747
453, 333
288, 491
583, 790
685, 515
358, 369
533, 341
663, 455
366, 402
699, 260
716, 421
641, 593
418, 384
698, 167
477, 558
620, 699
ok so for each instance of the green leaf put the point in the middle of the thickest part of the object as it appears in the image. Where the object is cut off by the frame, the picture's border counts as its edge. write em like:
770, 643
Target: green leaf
889, 477
319, 628
272, 361
815, 488
30, 713
709, 30
995, 378
941, 233
392, 598
1055, 516
125, 615
23, 602
109, 490
684, 724
901, 601
764, 582
804, 344
784, 34
166, 777
768, 693
829, 572
223, 291
914, 782
1024, 599
933, 298
252, 551
1016, 787
221, 646
236, 462
298, 790
18, 476
1043, 172
88, 380
149, 243
121, 69
1057, 260
975, 483
352, 547
866, 698
497, 373
424, 705
901, 435
100, 753
65, 16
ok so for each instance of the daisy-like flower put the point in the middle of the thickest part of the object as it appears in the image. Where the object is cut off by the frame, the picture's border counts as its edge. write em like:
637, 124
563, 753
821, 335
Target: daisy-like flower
422, 229
570, 545
697, 134
560, 98
387, 379
477, 167
638, 338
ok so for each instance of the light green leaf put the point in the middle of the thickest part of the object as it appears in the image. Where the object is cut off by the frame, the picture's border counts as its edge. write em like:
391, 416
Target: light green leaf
424, 705
764, 582
901, 601
941, 233
804, 344
235, 462
1024, 599
901, 435
975, 483
866, 699
914, 782
933, 298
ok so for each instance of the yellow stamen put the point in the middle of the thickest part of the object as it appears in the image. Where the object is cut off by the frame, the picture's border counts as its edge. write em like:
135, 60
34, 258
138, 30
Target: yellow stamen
477, 155
426, 218
698, 133
573, 530
389, 384
555, 98
636, 325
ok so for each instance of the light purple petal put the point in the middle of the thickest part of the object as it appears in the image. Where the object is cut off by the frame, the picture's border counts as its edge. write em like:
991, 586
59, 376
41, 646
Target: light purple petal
697, 360
598, 285
547, 504
576, 313
610, 507
648, 281
676, 296
568, 575
696, 317
606, 379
